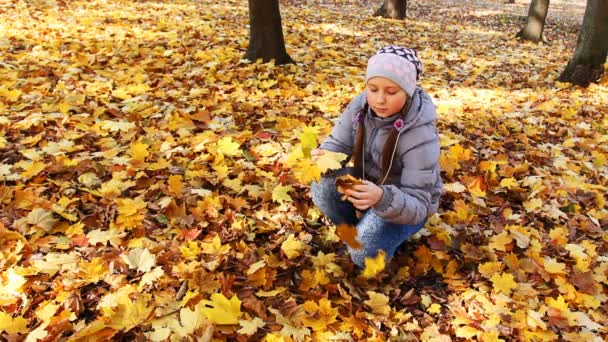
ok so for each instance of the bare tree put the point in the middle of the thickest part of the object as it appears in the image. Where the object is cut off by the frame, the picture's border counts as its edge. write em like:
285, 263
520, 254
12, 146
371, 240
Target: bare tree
535, 22
266, 33
587, 64
393, 9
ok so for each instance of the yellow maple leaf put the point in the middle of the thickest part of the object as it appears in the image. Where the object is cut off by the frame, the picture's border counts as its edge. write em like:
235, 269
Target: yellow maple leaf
467, 332
139, 151
477, 186
504, 283
434, 308
140, 259
227, 147
450, 161
126, 315
129, 206
250, 327
31, 168
373, 266
10, 325
215, 246
489, 268
308, 139
292, 247
533, 204
558, 303
305, 171
378, 302
11, 95
190, 320
508, 183
330, 160
280, 194
190, 250
319, 315
176, 187
93, 271
553, 266
499, 242
289, 331
221, 310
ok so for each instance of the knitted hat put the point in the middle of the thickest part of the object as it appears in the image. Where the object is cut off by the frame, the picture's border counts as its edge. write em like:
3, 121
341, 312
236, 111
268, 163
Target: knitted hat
398, 64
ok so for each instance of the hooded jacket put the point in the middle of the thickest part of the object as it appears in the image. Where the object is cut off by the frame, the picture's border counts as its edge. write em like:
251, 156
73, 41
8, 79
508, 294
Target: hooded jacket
413, 186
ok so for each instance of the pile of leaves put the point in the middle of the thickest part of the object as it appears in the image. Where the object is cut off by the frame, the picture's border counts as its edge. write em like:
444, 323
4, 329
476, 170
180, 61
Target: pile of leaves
154, 183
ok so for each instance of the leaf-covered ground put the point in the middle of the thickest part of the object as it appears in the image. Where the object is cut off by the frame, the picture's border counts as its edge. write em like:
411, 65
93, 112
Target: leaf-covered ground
144, 192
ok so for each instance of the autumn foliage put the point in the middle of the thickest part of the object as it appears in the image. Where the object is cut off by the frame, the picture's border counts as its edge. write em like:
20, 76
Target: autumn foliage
155, 184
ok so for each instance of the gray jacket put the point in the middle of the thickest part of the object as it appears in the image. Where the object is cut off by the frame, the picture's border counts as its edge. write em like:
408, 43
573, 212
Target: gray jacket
413, 188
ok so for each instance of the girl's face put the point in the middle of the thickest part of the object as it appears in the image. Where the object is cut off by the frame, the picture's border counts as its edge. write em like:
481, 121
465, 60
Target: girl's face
385, 97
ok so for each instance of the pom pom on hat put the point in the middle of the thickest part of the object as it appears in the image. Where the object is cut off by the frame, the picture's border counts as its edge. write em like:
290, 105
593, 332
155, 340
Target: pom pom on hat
399, 64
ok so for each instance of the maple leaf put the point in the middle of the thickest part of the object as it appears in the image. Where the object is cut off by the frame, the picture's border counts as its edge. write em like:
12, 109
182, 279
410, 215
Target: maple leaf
191, 320
477, 187
139, 151
150, 277
348, 234
41, 218
93, 271
140, 259
378, 302
215, 246
346, 182
221, 310
280, 194
552, 266
129, 314
227, 147
289, 329
292, 247
374, 265
456, 187
111, 235
330, 160
250, 327
500, 242
319, 315
508, 183
308, 139
504, 283
17, 325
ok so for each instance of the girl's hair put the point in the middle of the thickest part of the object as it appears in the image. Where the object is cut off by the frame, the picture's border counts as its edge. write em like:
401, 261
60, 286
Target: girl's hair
387, 151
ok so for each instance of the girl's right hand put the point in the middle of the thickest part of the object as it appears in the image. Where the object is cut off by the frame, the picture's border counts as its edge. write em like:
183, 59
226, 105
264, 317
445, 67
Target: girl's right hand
316, 154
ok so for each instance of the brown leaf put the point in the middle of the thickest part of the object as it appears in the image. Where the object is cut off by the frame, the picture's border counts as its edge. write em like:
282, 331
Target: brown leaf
348, 234
346, 182
584, 282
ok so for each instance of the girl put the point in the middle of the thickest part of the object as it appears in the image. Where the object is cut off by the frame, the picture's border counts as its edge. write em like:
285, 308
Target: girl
389, 131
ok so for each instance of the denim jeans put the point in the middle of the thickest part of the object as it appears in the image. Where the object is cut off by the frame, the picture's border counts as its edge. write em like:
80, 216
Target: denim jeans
373, 232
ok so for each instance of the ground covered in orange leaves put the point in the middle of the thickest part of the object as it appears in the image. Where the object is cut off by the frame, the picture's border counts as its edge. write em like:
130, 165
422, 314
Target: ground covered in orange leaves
150, 187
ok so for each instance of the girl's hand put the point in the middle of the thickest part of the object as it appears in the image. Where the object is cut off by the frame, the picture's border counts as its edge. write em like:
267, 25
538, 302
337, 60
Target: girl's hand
364, 196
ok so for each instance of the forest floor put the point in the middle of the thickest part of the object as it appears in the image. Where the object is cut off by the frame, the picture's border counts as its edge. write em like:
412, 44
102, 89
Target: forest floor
149, 189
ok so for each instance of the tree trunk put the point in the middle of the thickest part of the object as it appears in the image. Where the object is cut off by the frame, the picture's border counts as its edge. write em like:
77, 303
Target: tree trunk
587, 64
393, 9
266, 33
535, 22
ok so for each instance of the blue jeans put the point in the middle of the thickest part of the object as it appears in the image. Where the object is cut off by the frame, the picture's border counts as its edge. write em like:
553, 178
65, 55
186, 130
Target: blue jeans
373, 232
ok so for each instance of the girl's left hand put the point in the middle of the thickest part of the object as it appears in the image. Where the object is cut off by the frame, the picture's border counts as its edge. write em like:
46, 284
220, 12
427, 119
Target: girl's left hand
364, 196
